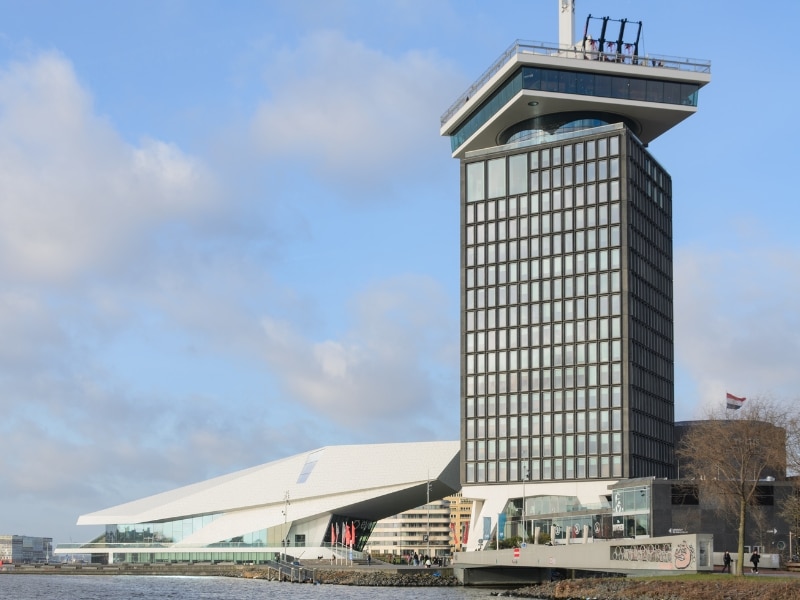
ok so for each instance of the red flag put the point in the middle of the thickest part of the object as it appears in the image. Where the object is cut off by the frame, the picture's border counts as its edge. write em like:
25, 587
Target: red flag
333, 533
353, 533
465, 536
346, 534
734, 402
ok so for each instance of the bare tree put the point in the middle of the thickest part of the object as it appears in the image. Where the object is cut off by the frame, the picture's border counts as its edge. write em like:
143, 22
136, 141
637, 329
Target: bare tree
790, 507
729, 454
790, 511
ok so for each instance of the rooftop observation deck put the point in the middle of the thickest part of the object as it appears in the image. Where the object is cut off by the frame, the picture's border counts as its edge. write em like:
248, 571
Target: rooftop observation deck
533, 79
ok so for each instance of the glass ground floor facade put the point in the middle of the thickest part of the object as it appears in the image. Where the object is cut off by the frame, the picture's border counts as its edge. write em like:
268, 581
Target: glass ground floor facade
624, 513
191, 557
101, 553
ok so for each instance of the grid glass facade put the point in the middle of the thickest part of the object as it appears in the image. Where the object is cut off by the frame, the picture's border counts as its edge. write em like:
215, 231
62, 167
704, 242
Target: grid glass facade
567, 312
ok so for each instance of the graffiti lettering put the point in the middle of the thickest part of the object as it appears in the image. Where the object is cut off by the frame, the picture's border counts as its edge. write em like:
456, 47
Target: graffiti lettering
658, 553
682, 557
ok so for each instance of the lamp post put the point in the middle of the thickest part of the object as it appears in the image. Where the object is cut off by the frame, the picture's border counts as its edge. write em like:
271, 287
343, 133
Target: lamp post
428, 509
284, 532
524, 514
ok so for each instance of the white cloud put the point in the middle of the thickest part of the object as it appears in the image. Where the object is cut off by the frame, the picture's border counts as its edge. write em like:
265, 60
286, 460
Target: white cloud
354, 115
398, 363
73, 194
332, 358
28, 330
114, 326
737, 320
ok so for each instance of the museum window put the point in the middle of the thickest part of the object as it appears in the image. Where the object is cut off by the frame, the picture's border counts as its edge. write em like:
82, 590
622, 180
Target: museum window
685, 494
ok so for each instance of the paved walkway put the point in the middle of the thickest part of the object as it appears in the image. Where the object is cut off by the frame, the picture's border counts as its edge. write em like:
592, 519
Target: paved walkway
766, 573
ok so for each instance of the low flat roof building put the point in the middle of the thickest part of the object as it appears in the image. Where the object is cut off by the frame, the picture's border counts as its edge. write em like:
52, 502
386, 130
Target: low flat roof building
24, 549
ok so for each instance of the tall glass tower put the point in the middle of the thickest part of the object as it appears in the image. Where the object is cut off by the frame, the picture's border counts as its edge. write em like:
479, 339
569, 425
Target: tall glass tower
566, 264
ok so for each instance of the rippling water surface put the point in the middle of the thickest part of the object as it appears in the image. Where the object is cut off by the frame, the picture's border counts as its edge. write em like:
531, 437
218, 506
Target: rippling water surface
121, 587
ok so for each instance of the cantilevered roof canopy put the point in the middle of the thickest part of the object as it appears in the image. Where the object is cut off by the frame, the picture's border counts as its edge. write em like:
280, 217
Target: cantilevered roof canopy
369, 482
497, 101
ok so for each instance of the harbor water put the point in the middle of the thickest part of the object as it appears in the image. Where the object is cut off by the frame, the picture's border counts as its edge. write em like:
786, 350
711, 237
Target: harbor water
121, 587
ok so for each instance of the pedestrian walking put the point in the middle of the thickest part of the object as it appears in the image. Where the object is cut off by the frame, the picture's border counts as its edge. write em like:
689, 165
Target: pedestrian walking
754, 558
726, 562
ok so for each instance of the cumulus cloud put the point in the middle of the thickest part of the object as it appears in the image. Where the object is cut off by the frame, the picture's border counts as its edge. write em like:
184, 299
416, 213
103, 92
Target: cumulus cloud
355, 115
142, 354
737, 320
73, 194
398, 363
29, 330
78, 204
137, 447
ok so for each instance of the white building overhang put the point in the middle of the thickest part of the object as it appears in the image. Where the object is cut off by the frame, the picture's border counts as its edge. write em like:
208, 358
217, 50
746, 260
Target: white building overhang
651, 118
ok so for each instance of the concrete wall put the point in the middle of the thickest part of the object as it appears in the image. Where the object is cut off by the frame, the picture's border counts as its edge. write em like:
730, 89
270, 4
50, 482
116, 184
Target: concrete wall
677, 554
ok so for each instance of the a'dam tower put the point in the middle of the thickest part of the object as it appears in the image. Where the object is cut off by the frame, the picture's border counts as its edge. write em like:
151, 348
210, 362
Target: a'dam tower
566, 267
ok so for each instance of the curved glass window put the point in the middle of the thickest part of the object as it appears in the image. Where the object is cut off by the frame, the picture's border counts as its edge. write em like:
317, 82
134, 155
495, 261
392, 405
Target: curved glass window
572, 82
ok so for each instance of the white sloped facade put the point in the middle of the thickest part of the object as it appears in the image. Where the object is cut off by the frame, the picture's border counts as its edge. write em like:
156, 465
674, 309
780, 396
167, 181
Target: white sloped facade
251, 514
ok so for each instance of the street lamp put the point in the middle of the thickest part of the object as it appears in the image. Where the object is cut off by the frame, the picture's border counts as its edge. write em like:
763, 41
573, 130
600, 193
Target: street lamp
524, 523
284, 532
428, 509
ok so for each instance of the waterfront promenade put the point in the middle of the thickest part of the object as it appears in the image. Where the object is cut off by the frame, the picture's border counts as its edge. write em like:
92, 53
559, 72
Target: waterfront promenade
313, 571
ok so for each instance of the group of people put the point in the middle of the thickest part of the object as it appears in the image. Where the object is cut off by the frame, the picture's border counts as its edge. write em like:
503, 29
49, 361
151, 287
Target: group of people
755, 557
424, 560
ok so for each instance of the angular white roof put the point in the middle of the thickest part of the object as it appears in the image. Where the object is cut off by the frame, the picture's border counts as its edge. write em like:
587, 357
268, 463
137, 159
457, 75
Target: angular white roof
365, 481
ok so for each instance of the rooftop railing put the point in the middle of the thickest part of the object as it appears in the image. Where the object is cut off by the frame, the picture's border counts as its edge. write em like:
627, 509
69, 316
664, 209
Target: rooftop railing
577, 53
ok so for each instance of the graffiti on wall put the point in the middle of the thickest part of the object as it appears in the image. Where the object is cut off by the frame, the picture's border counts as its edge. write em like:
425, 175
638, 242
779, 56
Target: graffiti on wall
680, 556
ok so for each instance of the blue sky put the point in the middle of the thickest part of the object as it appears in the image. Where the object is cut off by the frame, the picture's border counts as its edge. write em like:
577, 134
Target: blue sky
229, 230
